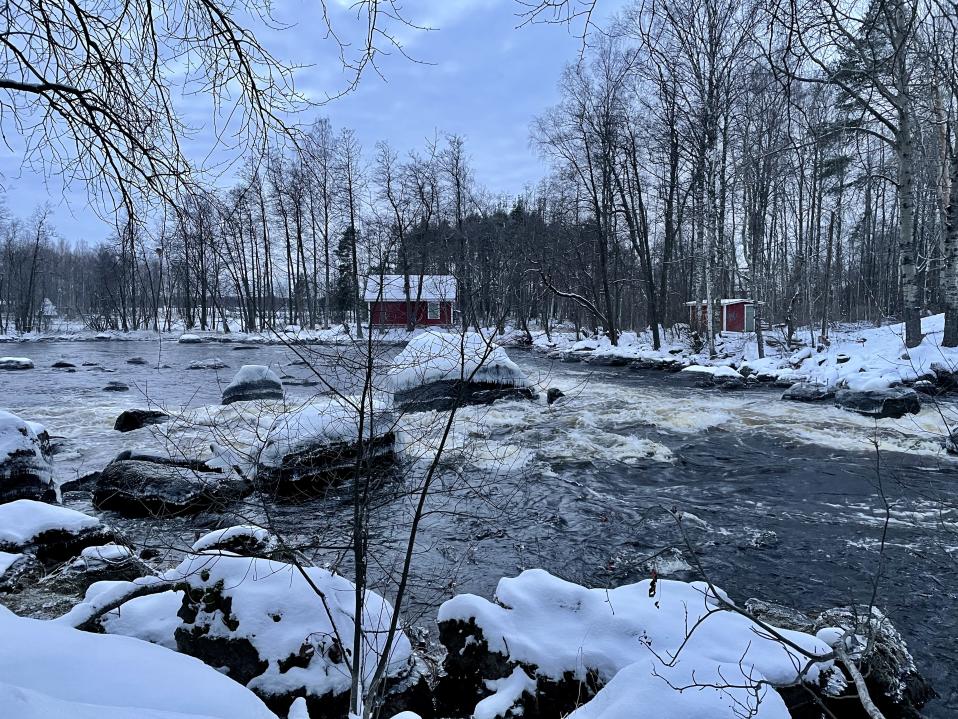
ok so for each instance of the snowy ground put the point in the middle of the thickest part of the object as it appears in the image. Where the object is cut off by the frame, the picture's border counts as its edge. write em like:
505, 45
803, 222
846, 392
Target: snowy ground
857, 357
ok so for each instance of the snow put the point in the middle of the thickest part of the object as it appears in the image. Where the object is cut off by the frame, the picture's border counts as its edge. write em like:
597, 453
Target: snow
23, 520
219, 536
298, 709
151, 618
50, 670
261, 589
714, 371
16, 363
556, 626
7, 560
506, 693
436, 356
646, 684
392, 289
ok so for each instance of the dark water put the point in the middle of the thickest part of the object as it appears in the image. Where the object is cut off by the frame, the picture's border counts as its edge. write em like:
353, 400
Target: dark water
781, 501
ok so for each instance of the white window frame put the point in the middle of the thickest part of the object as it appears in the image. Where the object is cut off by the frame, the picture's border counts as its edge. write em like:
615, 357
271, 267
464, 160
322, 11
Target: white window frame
433, 310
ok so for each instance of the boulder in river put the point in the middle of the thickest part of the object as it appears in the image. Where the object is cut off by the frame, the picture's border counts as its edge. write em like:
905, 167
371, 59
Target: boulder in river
141, 487
136, 361
253, 382
894, 402
437, 371
189, 339
116, 387
553, 395
15, 363
18, 570
49, 532
62, 364
808, 392
25, 468
256, 620
211, 363
893, 682
131, 419
246, 540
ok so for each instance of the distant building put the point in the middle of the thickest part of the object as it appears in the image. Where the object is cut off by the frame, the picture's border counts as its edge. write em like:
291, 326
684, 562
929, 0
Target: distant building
731, 315
430, 305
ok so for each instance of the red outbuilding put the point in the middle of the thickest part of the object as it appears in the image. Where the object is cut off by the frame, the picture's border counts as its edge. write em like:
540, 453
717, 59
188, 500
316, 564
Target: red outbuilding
431, 301
731, 315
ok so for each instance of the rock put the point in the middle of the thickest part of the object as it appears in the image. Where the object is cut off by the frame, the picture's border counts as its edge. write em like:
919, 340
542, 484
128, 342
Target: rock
140, 487
26, 471
116, 387
808, 392
80, 484
841, 358
48, 532
137, 361
15, 363
256, 620
893, 682
446, 394
253, 382
951, 443
924, 386
245, 540
132, 419
212, 363
945, 376
17, 571
63, 365
189, 339
97, 563
607, 360
245, 348
893, 403
553, 394
730, 383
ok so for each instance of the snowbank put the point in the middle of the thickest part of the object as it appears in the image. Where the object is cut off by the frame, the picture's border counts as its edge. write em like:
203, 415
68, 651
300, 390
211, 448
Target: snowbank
561, 630
50, 670
438, 356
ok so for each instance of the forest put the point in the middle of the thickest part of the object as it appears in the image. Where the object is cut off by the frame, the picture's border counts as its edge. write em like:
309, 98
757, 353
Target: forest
793, 154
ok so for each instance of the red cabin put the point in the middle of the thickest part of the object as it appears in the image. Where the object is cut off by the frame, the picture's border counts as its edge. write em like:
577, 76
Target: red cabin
733, 315
431, 300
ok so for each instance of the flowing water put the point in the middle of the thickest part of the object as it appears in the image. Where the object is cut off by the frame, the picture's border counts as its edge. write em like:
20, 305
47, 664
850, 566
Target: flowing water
783, 501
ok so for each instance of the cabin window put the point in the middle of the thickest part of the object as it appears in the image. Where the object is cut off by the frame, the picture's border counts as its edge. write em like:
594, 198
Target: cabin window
433, 311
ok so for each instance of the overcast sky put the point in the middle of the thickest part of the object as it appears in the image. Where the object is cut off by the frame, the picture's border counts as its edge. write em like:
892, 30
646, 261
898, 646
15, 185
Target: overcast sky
480, 76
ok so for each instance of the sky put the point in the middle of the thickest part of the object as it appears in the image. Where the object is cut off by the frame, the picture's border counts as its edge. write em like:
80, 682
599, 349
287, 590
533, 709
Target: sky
476, 74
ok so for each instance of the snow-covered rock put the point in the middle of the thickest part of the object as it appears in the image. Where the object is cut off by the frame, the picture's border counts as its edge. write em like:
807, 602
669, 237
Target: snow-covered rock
264, 624
49, 670
189, 339
245, 540
116, 387
49, 532
17, 569
253, 382
438, 370
211, 363
142, 486
894, 402
15, 363
108, 562
808, 392
574, 641
25, 468
132, 419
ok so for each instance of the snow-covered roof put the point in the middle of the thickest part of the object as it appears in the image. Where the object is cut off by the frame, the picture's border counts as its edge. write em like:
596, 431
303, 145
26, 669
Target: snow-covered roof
733, 301
435, 288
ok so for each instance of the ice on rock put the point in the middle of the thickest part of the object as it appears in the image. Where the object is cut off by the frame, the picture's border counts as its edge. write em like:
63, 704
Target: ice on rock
50, 670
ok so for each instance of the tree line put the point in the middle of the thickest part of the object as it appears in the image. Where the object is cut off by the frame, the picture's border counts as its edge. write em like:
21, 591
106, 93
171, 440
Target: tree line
804, 155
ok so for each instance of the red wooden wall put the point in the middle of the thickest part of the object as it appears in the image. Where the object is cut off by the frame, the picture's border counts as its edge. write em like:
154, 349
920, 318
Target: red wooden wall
394, 314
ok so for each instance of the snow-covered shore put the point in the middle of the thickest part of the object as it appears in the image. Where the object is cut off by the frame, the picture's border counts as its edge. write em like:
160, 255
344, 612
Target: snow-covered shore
857, 357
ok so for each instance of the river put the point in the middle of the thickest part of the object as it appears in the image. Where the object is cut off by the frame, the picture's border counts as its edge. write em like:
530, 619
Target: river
782, 501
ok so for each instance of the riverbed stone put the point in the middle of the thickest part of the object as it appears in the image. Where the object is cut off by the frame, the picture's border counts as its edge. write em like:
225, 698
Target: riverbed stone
62, 364
445, 394
136, 361
15, 363
894, 402
116, 387
132, 419
553, 395
253, 382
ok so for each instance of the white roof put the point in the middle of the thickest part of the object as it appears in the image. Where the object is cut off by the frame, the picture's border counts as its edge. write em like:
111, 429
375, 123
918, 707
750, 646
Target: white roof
724, 302
435, 288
